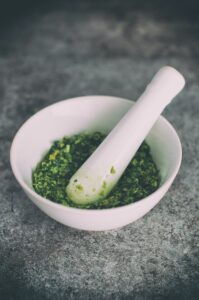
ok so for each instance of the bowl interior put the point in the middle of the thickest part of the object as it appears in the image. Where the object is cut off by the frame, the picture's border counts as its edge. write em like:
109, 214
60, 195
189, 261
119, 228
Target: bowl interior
89, 114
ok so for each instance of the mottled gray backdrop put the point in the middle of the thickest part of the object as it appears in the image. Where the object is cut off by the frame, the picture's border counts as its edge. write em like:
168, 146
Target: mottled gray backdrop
60, 50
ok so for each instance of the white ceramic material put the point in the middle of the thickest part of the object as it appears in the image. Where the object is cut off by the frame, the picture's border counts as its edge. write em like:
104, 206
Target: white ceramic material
119, 147
90, 113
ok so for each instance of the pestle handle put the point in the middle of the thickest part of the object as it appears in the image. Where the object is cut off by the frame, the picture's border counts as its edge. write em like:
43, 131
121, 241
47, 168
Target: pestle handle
101, 171
166, 84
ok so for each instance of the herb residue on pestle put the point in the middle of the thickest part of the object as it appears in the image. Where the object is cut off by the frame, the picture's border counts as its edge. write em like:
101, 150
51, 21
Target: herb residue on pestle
52, 174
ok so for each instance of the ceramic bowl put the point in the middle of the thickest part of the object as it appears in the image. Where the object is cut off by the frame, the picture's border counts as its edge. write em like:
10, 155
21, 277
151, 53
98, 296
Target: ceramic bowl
90, 113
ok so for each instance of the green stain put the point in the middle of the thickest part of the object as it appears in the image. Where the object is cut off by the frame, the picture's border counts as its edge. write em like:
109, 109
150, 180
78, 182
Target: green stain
79, 187
104, 185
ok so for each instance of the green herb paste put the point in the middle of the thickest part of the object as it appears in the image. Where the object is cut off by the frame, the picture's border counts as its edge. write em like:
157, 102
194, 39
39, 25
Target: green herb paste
52, 174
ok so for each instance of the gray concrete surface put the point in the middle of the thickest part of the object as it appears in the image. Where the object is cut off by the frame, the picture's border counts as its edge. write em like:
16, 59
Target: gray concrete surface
59, 53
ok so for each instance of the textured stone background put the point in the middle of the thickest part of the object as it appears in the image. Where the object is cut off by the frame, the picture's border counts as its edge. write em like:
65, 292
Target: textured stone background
55, 51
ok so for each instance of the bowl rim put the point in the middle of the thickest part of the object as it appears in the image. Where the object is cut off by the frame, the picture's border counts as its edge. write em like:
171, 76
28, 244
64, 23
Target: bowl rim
49, 202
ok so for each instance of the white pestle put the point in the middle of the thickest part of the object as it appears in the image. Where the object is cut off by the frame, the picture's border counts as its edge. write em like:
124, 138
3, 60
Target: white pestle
101, 171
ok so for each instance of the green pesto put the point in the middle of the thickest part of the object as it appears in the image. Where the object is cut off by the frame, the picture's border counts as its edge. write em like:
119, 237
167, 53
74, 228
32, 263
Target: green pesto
53, 172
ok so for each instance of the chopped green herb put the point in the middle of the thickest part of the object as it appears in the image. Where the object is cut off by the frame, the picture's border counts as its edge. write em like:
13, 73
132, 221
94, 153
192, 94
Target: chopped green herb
112, 171
67, 148
52, 174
